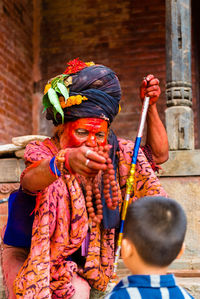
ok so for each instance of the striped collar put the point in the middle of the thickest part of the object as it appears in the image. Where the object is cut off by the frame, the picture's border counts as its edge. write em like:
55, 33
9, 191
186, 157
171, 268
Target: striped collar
153, 281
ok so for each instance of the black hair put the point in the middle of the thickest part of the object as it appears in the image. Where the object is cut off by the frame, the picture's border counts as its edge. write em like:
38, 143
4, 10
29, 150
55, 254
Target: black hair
156, 226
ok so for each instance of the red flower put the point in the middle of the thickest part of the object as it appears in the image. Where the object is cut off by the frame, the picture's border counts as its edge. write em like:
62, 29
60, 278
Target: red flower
74, 66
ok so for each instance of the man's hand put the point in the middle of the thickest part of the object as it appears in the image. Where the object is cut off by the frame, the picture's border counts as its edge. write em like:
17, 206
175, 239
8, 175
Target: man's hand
150, 88
85, 161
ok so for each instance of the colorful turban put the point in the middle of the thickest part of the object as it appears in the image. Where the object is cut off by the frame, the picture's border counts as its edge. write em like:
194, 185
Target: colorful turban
100, 86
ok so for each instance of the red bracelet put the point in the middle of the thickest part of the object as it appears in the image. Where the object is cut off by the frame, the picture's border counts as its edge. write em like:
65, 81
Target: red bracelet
67, 166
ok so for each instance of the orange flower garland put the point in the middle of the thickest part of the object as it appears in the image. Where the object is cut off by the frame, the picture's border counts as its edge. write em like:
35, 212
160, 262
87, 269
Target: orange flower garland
73, 100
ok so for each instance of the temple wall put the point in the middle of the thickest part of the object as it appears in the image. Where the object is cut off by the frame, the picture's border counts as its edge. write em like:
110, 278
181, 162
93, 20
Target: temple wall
128, 36
186, 191
16, 62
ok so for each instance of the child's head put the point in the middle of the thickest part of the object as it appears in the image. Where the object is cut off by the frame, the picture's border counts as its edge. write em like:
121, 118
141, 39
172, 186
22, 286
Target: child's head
156, 227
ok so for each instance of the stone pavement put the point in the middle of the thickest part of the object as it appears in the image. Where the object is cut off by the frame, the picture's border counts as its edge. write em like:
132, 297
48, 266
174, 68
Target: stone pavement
191, 284
2, 293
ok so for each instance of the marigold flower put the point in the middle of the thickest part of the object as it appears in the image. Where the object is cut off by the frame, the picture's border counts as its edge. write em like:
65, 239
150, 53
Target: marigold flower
90, 63
73, 100
47, 87
62, 102
78, 100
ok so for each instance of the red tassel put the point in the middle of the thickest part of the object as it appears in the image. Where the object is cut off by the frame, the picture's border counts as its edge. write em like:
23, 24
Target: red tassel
38, 197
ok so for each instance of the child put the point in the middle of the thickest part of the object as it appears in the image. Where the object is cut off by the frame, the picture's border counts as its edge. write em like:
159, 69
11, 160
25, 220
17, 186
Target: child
154, 232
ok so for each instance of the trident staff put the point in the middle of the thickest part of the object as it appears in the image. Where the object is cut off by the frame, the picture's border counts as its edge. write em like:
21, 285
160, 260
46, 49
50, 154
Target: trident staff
130, 180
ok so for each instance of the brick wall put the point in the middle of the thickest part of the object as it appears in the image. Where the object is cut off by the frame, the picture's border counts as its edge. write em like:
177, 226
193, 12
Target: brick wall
128, 36
16, 64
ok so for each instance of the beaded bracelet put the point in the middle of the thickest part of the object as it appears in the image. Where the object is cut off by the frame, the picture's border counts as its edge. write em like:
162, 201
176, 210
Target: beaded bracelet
53, 168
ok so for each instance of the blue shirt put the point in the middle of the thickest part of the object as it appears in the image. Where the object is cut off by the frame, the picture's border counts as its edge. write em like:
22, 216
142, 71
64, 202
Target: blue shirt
148, 287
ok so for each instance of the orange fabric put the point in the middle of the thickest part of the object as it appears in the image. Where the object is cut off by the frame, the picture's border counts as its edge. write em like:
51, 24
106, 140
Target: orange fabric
61, 224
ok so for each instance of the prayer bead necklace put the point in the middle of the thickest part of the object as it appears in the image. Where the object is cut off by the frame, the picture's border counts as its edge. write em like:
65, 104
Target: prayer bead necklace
92, 188
109, 183
95, 210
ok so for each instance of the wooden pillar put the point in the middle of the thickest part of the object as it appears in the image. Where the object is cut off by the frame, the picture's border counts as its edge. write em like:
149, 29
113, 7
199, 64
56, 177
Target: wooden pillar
179, 114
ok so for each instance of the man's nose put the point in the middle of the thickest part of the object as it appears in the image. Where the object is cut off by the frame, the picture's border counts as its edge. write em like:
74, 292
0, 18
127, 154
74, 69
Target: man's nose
91, 141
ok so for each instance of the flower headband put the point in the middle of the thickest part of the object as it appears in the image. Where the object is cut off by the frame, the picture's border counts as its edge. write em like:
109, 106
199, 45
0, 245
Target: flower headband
56, 91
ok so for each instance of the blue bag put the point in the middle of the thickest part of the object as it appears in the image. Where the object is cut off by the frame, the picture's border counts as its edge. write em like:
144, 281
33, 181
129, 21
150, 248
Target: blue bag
19, 225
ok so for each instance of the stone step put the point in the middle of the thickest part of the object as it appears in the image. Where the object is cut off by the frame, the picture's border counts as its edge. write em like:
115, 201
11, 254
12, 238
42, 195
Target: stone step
191, 284
2, 292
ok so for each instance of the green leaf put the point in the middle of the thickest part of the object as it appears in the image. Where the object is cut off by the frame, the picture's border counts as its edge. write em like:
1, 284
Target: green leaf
63, 90
46, 102
54, 113
57, 89
54, 82
53, 97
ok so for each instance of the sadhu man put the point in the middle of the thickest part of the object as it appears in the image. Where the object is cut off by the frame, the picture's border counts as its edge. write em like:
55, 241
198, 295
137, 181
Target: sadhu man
77, 179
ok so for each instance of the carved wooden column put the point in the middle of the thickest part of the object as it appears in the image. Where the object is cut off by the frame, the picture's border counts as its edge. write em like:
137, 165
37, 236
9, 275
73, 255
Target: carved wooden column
179, 114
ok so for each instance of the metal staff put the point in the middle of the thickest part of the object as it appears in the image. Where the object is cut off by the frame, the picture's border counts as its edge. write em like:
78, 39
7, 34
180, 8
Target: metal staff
130, 180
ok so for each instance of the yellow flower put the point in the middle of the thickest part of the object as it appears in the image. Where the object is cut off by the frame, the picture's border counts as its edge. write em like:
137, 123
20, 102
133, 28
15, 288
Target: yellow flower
73, 100
78, 99
62, 102
47, 87
90, 63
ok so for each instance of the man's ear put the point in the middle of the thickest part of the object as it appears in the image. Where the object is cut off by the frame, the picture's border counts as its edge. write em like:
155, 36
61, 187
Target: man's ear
181, 251
127, 248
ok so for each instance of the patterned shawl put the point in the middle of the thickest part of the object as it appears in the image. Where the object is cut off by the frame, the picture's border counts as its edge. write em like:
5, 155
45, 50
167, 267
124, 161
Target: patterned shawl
61, 224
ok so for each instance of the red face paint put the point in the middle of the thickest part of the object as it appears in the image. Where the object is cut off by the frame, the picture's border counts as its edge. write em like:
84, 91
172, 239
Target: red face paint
87, 131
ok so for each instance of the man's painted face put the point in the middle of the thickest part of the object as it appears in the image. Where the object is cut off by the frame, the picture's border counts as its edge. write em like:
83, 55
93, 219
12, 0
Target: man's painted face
88, 131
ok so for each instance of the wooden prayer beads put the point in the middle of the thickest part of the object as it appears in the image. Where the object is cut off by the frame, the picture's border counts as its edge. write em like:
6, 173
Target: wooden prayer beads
110, 189
110, 183
92, 188
110, 186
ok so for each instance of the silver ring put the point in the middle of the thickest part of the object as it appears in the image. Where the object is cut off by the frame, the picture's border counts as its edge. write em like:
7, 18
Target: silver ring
87, 161
87, 153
